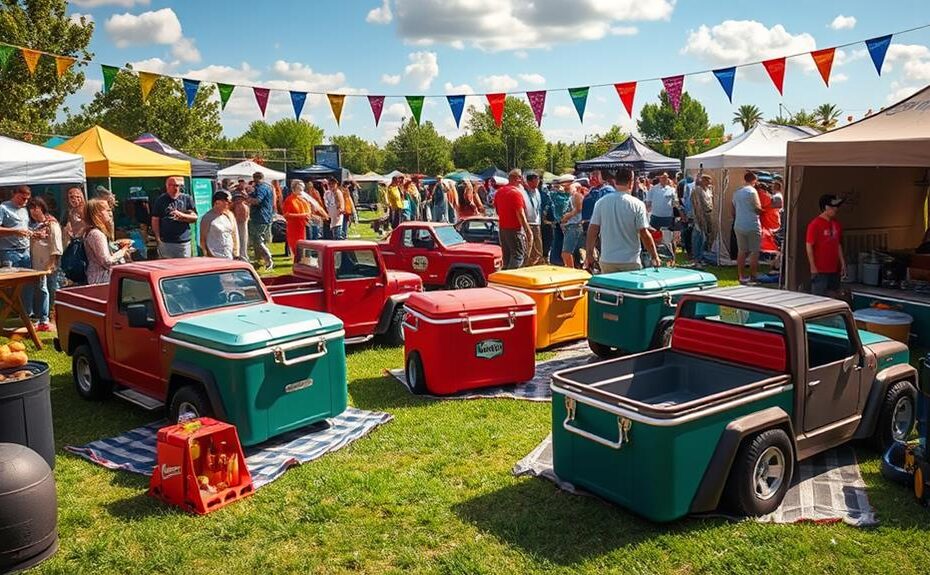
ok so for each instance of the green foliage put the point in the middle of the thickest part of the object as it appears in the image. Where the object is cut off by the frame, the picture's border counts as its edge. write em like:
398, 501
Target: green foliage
519, 143
359, 155
30, 103
418, 149
659, 122
827, 116
268, 142
800, 118
747, 116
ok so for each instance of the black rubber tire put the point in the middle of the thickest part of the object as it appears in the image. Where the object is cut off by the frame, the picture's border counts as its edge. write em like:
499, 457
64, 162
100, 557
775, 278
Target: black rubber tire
883, 437
740, 496
603, 351
416, 379
663, 334
395, 331
193, 395
464, 279
97, 388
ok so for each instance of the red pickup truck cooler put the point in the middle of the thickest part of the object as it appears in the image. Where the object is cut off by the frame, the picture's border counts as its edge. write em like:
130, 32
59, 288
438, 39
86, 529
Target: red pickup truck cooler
465, 339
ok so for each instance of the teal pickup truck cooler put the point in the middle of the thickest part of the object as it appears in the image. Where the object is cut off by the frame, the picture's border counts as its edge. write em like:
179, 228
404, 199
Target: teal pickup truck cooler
625, 308
275, 368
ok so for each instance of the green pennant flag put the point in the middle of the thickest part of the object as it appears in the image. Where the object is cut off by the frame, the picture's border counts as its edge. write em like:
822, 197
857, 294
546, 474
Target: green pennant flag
109, 75
226, 91
5, 53
416, 106
580, 99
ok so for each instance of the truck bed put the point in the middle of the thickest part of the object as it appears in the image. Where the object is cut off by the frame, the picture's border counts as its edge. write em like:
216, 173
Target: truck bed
91, 297
296, 291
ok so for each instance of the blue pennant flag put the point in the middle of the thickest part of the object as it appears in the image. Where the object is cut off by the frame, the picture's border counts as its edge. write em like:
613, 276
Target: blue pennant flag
457, 103
726, 76
298, 99
190, 89
877, 49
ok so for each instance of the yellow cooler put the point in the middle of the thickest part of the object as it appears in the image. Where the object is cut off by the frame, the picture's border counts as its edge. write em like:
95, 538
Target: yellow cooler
561, 305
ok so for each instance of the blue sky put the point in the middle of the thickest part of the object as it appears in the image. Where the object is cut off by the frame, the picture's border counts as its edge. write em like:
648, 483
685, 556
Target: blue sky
399, 47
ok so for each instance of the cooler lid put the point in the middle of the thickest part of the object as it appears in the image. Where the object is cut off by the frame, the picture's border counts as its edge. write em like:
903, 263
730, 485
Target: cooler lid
539, 277
253, 327
653, 280
883, 316
459, 303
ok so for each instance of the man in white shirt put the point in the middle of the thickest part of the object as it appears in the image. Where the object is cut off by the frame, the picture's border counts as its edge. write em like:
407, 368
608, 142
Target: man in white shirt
660, 202
532, 201
619, 220
219, 233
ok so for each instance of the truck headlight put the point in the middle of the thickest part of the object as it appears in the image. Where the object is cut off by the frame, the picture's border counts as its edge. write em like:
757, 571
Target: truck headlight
498, 263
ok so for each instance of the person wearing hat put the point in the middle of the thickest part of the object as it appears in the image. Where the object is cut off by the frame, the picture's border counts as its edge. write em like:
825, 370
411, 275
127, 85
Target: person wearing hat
824, 245
261, 215
219, 231
172, 216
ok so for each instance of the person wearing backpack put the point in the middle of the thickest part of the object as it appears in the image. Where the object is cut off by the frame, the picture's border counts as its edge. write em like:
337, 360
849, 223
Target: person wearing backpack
101, 255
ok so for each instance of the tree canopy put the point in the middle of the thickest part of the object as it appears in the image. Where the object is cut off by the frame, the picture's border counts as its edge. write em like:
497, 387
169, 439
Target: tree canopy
418, 149
747, 116
518, 143
686, 131
359, 155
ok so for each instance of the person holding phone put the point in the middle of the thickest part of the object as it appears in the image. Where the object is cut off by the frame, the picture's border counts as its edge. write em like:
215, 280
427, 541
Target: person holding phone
101, 255
172, 216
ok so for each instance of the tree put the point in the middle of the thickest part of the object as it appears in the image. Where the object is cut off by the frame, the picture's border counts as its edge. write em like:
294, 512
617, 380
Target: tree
801, 118
283, 144
30, 103
827, 116
358, 155
600, 144
659, 122
518, 143
418, 149
747, 116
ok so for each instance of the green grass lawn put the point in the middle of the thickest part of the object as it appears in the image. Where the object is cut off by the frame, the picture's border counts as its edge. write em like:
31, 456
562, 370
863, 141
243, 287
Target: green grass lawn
430, 492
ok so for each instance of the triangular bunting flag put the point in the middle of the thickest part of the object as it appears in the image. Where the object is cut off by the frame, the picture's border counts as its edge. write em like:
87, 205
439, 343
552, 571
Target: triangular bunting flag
726, 76
776, 70
456, 104
62, 63
627, 91
32, 59
377, 105
190, 90
261, 97
673, 87
297, 100
5, 53
878, 47
109, 75
496, 102
416, 106
538, 103
336, 102
146, 81
225, 91
824, 60
580, 100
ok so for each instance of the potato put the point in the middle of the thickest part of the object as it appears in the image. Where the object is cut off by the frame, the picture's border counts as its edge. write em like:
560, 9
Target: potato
17, 346
4, 351
14, 359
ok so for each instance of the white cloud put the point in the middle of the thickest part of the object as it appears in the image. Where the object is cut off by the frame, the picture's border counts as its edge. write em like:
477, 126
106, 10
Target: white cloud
76, 17
498, 82
521, 54
900, 92
423, 68
91, 86
496, 25
381, 14
390, 80
564, 112
155, 65
536, 79
186, 49
95, 3
915, 60
843, 22
838, 78
451, 88
299, 72
244, 74
156, 27
738, 41
624, 31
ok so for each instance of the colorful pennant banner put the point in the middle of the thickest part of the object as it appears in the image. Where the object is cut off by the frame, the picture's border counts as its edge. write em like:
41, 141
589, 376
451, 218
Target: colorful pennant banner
62, 64
416, 106
673, 87
5, 53
626, 91
878, 47
580, 100
109, 76
32, 59
726, 77
457, 105
297, 100
538, 104
146, 81
776, 70
824, 61
225, 91
261, 98
496, 101
190, 90
336, 102
377, 105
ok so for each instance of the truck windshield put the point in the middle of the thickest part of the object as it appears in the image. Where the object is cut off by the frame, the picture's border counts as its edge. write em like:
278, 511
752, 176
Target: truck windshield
448, 236
189, 294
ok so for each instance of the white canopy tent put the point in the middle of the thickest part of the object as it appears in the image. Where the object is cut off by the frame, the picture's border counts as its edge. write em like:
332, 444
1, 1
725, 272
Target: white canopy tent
22, 163
389, 176
369, 177
247, 168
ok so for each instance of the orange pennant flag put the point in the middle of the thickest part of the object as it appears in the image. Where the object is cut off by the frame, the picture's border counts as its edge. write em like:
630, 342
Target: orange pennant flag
824, 61
32, 59
62, 63
336, 101
496, 101
146, 81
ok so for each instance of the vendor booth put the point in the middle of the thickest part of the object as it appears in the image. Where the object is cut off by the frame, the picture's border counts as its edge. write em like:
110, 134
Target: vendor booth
244, 170
634, 154
48, 172
881, 166
762, 147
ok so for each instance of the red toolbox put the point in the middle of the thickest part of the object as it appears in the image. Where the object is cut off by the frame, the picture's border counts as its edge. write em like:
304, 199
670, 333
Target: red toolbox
200, 466
465, 339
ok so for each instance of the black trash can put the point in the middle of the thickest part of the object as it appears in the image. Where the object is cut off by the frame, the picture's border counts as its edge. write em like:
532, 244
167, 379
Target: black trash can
28, 509
26, 411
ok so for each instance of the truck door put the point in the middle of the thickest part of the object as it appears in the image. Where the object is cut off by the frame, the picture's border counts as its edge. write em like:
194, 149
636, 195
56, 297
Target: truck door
359, 289
422, 255
135, 351
834, 368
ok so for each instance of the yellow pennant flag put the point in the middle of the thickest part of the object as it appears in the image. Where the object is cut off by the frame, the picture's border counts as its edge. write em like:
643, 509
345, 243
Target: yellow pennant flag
62, 63
32, 59
336, 101
146, 81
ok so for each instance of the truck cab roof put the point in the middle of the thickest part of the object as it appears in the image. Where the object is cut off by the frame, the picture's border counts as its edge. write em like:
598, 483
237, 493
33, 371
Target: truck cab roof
336, 244
800, 304
181, 266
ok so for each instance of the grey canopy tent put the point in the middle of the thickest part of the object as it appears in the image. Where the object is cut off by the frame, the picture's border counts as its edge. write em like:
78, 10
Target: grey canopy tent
199, 168
631, 153
491, 172
314, 172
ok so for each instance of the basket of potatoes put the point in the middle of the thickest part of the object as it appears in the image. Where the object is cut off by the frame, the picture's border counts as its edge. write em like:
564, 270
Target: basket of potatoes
13, 360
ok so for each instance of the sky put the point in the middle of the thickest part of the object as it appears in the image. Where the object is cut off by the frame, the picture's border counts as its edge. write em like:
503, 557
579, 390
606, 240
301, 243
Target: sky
439, 47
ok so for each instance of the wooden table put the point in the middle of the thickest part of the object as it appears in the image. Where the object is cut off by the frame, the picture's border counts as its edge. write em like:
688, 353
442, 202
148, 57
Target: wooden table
11, 291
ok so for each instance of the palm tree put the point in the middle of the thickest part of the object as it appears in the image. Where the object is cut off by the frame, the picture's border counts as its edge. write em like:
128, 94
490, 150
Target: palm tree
827, 116
803, 118
748, 116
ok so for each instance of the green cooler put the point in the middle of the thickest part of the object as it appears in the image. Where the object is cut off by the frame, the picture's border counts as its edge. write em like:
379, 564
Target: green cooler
630, 312
274, 368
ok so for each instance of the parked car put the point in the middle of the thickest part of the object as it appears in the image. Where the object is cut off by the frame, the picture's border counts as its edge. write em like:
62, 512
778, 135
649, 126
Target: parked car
479, 229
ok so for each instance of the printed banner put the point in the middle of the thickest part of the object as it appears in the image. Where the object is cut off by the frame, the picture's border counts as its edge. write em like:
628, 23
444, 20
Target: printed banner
225, 91
297, 100
190, 90
878, 47
416, 106
32, 59
456, 104
336, 102
627, 91
776, 70
62, 63
5, 53
261, 97
109, 75
496, 101
580, 100
538, 103
824, 61
726, 77
146, 81
673, 87
377, 105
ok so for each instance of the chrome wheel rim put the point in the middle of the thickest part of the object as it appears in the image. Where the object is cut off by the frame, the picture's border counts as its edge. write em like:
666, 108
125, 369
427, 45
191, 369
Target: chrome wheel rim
464, 281
82, 374
411, 374
902, 418
769, 473
187, 410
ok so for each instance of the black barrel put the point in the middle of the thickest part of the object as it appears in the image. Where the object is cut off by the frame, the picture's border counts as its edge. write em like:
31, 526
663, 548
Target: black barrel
28, 508
26, 411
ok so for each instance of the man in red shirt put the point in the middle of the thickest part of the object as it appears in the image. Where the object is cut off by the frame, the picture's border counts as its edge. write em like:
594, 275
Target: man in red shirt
825, 248
515, 233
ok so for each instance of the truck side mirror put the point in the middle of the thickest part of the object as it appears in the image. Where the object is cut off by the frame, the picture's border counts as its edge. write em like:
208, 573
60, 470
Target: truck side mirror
139, 316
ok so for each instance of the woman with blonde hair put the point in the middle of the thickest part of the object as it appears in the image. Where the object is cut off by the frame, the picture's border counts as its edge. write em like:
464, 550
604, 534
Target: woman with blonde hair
101, 257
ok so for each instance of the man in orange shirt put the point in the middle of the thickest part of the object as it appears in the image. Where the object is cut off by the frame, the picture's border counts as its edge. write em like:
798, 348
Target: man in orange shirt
297, 211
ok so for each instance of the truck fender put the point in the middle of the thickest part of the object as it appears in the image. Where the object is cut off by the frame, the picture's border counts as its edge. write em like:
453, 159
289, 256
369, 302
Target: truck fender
482, 278
661, 325
387, 312
186, 370
86, 332
873, 405
717, 473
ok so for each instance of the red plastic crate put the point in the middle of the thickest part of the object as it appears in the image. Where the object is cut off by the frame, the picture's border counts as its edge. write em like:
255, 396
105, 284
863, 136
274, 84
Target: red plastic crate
197, 449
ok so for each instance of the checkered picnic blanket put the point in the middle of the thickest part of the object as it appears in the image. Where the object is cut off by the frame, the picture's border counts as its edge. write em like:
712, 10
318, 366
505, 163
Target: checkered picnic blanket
135, 450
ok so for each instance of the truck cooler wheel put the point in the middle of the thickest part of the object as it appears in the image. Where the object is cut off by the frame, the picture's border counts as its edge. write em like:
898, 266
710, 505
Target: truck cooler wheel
415, 377
395, 332
87, 378
463, 279
189, 400
603, 351
896, 418
761, 473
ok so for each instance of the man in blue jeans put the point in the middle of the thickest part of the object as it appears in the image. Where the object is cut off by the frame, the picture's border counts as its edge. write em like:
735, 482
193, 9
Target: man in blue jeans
15, 235
262, 202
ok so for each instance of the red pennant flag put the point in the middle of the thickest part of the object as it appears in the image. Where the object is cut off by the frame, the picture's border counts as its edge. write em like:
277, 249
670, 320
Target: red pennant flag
776, 70
538, 103
497, 107
377, 105
261, 96
627, 91
824, 60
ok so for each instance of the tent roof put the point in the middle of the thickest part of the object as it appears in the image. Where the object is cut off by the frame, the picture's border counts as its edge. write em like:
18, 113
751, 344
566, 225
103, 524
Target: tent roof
491, 172
631, 153
313, 170
199, 168
762, 146
390, 175
369, 177
54, 141
22, 163
897, 136
246, 168
106, 155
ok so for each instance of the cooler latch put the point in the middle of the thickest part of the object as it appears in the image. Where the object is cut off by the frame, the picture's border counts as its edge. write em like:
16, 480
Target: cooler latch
623, 428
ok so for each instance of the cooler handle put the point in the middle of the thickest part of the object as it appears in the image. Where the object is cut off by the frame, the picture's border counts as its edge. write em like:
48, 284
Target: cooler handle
560, 293
466, 325
408, 318
280, 351
623, 428
599, 295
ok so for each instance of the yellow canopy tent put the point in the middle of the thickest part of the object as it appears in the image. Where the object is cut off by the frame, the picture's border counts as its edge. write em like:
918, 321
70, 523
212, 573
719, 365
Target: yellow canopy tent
106, 155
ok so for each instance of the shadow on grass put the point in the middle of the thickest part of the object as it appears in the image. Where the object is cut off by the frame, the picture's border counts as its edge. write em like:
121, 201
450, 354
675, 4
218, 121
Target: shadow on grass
140, 506
382, 393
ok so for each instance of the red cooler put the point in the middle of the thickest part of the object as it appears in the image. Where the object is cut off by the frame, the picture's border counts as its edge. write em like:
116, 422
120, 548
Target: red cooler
466, 339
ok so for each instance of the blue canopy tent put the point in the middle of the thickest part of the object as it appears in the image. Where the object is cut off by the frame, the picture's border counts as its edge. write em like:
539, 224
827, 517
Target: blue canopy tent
314, 172
631, 153
199, 168
462, 175
55, 141
491, 172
